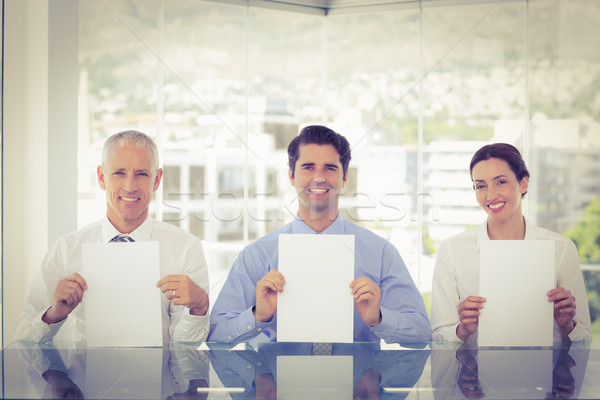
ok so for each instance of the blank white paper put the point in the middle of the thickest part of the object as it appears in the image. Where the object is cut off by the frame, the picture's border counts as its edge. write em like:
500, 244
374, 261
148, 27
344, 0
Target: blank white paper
514, 277
122, 303
314, 377
316, 304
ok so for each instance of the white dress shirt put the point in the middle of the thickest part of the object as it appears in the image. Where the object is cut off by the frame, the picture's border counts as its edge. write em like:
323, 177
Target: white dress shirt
180, 253
456, 277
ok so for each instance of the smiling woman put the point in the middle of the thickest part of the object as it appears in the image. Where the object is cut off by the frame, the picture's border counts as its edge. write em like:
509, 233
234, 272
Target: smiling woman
500, 180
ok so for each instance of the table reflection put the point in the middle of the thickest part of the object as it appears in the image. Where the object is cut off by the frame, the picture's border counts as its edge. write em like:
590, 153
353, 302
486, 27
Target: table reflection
173, 372
508, 373
260, 374
294, 371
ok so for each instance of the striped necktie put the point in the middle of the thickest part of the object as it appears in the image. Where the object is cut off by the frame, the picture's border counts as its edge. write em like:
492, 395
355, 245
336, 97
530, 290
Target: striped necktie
322, 349
122, 238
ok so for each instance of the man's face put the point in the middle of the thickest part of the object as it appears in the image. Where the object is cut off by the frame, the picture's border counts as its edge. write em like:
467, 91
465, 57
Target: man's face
129, 180
318, 178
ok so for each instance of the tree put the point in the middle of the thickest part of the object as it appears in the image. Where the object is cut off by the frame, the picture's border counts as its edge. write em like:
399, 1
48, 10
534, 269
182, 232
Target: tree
586, 235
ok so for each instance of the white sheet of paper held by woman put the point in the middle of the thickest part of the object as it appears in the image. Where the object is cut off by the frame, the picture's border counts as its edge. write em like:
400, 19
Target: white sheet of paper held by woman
316, 304
514, 277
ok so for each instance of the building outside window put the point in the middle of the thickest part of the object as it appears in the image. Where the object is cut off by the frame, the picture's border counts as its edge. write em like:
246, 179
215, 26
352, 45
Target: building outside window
416, 88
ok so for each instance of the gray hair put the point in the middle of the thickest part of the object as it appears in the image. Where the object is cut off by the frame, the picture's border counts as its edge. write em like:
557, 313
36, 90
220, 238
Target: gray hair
130, 138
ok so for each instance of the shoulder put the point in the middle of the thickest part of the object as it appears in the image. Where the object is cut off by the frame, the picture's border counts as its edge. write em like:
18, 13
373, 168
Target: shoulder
562, 242
89, 233
165, 231
268, 242
363, 233
546, 234
466, 239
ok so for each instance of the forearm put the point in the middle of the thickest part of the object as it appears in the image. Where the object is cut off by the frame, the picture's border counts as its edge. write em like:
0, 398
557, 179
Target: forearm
236, 327
189, 328
405, 327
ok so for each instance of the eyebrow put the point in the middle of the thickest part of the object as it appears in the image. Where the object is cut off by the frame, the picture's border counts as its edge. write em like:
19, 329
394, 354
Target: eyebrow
312, 164
494, 178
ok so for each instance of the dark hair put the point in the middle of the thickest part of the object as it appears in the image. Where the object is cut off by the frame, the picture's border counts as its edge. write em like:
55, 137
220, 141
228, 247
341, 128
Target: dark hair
505, 152
321, 135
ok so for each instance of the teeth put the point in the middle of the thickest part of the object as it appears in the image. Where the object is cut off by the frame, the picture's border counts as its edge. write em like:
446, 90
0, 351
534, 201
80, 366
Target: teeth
497, 205
129, 198
318, 191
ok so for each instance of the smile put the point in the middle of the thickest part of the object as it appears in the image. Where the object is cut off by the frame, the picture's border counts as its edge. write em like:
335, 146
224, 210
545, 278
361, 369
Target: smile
318, 191
497, 206
129, 198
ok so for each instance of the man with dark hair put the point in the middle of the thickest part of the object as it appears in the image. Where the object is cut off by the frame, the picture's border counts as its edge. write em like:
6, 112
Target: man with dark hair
387, 304
129, 174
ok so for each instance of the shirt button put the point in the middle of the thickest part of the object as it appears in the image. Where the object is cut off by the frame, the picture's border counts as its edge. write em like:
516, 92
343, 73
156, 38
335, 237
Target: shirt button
377, 333
229, 337
249, 327
259, 329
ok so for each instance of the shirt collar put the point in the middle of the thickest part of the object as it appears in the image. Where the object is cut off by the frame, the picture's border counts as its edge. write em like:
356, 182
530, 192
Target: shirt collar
482, 233
337, 227
141, 234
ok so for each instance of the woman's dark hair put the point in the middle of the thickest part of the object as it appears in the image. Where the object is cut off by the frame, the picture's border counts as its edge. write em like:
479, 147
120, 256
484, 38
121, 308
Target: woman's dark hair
321, 135
505, 152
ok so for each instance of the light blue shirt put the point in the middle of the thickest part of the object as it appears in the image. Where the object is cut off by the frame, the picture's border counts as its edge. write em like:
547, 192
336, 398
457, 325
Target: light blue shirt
404, 319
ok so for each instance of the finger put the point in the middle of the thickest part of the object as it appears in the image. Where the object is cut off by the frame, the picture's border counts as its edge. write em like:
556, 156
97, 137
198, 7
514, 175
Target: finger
275, 282
73, 291
170, 278
269, 286
78, 279
368, 296
476, 299
275, 275
357, 292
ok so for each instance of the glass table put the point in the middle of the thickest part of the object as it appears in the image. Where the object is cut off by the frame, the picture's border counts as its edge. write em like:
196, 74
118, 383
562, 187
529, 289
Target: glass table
293, 371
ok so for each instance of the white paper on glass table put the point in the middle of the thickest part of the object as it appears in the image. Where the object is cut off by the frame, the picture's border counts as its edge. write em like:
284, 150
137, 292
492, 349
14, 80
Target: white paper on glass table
122, 303
314, 377
316, 304
514, 277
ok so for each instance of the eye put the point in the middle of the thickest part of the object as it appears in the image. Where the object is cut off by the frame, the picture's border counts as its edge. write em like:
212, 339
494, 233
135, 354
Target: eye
479, 187
332, 168
501, 182
118, 173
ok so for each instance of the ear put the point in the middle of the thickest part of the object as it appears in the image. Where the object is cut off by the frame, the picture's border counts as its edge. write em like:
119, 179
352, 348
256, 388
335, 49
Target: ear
346, 178
291, 176
157, 179
100, 175
524, 184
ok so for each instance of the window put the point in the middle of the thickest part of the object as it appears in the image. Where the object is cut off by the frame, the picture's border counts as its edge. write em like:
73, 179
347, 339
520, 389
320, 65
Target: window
416, 88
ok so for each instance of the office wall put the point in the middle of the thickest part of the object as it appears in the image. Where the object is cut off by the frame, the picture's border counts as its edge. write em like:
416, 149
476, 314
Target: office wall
39, 170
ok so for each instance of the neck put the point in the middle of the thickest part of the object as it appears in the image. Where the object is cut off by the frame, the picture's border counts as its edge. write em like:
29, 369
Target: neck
125, 227
507, 230
318, 221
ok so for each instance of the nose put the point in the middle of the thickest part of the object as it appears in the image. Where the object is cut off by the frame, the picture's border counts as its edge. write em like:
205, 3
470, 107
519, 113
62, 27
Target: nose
491, 192
319, 178
130, 183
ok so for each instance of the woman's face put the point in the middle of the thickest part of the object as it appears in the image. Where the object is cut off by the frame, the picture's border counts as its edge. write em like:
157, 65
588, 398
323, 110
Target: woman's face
498, 191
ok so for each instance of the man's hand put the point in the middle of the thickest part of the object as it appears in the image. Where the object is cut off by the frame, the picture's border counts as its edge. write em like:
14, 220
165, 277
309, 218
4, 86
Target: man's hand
468, 313
266, 295
62, 386
67, 295
564, 308
367, 299
183, 291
